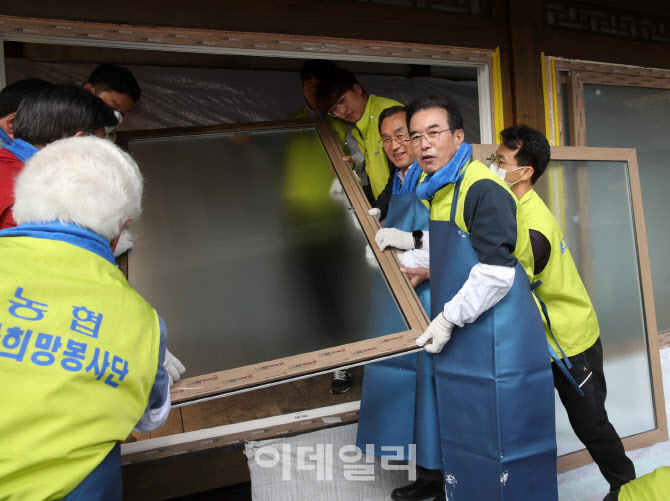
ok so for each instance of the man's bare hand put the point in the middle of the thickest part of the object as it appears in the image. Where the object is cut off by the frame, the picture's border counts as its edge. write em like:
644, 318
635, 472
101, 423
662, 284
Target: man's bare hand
349, 160
416, 276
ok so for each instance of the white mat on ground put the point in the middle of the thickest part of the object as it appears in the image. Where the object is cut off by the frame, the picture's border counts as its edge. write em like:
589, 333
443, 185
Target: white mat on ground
280, 471
587, 484
310, 467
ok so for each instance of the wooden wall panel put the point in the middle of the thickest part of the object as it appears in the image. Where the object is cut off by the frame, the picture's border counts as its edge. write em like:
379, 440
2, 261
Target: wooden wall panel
592, 47
346, 19
526, 64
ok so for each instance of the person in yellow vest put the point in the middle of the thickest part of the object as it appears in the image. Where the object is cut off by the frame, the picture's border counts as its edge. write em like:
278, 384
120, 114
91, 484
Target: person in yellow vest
81, 353
344, 98
654, 486
311, 73
520, 161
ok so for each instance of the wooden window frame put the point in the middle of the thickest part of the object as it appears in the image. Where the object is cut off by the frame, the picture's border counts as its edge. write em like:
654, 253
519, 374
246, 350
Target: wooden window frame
660, 433
578, 73
205, 386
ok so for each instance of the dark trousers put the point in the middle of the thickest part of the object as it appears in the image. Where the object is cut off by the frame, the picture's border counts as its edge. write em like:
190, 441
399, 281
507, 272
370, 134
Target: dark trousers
588, 417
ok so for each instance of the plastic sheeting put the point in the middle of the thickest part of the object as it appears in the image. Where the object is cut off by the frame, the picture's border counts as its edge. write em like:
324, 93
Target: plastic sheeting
181, 97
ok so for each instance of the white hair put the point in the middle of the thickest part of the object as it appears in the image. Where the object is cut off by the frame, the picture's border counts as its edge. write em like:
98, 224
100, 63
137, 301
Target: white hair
82, 180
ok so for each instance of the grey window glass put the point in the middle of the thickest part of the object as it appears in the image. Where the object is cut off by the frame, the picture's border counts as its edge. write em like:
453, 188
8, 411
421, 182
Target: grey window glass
636, 117
595, 213
249, 254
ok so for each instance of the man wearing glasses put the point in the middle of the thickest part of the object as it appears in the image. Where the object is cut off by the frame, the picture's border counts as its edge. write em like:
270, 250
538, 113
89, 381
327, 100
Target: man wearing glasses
495, 396
344, 98
398, 403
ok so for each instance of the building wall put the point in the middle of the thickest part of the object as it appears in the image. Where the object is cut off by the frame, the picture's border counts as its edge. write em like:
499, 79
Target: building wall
612, 31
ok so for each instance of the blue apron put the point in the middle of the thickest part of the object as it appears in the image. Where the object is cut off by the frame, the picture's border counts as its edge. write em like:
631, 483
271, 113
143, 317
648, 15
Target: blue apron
494, 385
397, 407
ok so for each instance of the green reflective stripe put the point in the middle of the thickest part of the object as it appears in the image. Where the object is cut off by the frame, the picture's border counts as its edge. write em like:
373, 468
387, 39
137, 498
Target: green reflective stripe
573, 319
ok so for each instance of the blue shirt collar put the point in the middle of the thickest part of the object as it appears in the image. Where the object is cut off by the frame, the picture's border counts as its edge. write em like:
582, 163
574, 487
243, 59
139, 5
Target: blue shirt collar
70, 233
22, 150
4, 138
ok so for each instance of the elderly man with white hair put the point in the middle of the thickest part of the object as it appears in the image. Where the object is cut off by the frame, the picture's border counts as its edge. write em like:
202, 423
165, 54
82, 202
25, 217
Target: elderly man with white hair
81, 353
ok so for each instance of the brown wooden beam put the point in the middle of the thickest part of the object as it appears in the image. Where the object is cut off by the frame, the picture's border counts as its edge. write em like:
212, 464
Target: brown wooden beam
605, 49
526, 24
344, 19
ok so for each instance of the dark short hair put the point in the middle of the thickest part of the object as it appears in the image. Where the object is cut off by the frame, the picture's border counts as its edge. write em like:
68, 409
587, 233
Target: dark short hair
333, 85
60, 111
317, 68
454, 118
110, 77
11, 96
389, 112
533, 148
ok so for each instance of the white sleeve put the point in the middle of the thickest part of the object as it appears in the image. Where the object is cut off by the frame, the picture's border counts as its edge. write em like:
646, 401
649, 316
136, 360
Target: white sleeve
416, 258
425, 240
484, 288
154, 418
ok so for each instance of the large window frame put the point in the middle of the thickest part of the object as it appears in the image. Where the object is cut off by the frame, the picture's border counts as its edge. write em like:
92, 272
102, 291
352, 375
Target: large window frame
204, 386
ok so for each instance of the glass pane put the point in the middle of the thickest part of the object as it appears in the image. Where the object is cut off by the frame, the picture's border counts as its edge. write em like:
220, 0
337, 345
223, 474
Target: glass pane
592, 202
635, 117
247, 255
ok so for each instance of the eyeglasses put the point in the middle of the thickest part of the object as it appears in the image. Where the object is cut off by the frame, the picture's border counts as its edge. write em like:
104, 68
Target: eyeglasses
493, 159
339, 104
400, 138
432, 137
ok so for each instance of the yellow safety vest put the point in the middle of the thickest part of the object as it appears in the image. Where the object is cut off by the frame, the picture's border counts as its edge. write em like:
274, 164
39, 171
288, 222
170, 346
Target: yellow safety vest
440, 210
573, 319
78, 358
308, 179
367, 135
654, 486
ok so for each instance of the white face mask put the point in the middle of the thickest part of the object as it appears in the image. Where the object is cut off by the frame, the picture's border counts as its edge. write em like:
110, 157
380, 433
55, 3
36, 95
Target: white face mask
110, 128
501, 173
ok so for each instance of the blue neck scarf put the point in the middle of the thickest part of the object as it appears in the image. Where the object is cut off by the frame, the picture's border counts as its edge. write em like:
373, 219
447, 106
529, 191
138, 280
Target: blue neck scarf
70, 233
407, 186
5, 140
22, 150
446, 175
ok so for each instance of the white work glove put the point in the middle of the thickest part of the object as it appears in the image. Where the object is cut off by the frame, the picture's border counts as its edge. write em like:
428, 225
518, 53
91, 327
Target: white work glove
337, 193
392, 237
439, 331
375, 213
173, 367
125, 243
370, 257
